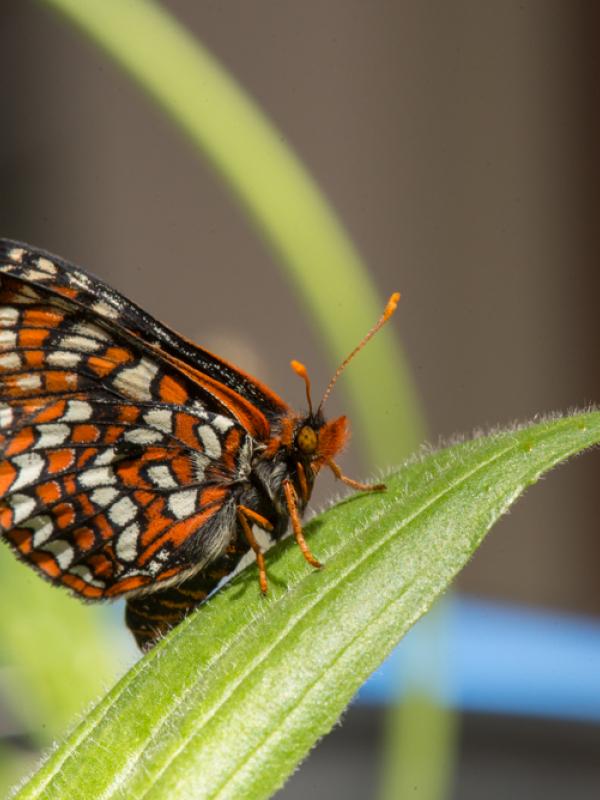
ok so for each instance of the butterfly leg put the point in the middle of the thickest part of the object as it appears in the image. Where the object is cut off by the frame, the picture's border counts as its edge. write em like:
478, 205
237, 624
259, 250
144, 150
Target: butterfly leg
246, 516
360, 487
290, 498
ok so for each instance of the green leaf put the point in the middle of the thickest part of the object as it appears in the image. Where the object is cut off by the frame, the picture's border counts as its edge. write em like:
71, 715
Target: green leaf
234, 698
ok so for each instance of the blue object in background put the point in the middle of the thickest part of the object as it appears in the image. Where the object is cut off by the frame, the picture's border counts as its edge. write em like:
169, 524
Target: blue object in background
494, 658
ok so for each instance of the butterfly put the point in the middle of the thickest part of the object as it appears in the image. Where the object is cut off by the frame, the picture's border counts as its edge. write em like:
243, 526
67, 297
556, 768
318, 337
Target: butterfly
134, 463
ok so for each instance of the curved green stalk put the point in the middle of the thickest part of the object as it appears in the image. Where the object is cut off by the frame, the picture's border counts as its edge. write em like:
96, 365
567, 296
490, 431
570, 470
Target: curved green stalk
278, 194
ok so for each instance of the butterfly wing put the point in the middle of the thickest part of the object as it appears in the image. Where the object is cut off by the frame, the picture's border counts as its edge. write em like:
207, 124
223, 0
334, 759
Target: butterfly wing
117, 460
242, 393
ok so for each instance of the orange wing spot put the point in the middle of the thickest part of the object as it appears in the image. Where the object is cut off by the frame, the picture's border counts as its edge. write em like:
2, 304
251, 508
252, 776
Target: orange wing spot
129, 413
60, 382
185, 429
85, 456
59, 460
118, 354
178, 533
84, 538
171, 391
112, 434
35, 358
85, 433
7, 475
157, 522
170, 573
21, 538
101, 565
46, 563
143, 498
70, 484
42, 318
129, 473
182, 467
22, 441
212, 494
51, 412
104, 526
81, 587
33, 337
127, 585
66, 291
6, 518
49, 492
101, 366
64, 515
155, 454
232, 447
85, 504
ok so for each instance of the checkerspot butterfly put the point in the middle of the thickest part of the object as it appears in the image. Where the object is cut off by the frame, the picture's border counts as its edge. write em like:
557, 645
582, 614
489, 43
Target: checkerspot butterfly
132, 462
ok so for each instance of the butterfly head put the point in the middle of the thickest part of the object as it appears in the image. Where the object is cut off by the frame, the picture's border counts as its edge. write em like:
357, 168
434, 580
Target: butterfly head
317, 442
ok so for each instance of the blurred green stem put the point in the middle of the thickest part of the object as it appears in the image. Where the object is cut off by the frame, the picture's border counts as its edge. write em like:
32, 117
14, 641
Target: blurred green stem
282, 199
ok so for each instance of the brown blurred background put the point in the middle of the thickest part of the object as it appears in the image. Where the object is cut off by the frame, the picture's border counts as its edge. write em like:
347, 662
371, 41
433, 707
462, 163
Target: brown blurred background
458, 143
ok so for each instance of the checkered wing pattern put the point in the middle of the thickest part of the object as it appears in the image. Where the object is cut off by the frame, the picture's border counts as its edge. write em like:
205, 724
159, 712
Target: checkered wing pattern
119, 444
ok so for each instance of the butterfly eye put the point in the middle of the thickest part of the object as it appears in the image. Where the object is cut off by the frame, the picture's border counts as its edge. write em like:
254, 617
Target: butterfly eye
307, 440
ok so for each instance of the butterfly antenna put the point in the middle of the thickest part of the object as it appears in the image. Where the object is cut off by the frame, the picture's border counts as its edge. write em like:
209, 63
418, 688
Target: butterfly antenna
300, 370
391, 306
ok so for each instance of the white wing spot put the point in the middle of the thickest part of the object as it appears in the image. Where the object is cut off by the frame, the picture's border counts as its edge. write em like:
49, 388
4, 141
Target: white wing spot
41, 528
77, 410
126, 542
122, 511
99, 476
210, 440
160, 418
16, 254
29, 381
22, 505
221, 423
10, 361
51, 435
6, 416
105, 457
86, 329
9, 316
104, 496
27, 294
104, 310
63, 358
143, 436
80, 279
161, 476
83, 572
183, 504
36, 275
80, 343
46, 265
29, 466
135, 381
200, 462
61, 551
8, 339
